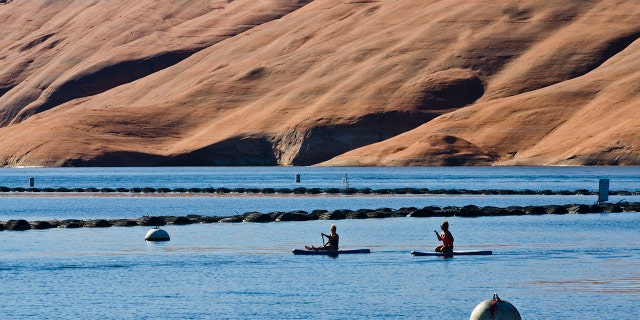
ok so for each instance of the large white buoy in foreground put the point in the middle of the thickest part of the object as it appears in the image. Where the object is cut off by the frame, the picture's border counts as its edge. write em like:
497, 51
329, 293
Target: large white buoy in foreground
157, 234
495, 309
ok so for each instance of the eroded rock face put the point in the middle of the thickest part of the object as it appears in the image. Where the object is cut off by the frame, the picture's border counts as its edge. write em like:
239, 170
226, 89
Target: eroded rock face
390, 82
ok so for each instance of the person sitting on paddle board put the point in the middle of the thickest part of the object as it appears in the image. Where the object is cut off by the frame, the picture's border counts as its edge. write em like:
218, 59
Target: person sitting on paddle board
332, 240
446, 237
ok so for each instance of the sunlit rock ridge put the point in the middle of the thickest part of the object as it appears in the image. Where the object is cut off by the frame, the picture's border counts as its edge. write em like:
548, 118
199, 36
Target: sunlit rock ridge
324, 82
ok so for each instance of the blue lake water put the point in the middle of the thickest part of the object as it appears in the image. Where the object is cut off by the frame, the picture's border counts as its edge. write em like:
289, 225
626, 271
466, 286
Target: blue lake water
473, 178
550, 267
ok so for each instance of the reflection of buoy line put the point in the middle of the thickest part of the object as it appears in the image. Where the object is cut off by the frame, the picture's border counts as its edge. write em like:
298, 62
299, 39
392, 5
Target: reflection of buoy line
303, 190
300, 215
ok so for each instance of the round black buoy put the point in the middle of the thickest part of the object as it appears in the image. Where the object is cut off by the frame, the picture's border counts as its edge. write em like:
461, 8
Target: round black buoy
495, 309
157, 234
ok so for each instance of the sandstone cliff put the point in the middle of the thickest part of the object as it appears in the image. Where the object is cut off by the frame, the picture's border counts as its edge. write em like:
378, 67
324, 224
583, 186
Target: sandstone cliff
301, 82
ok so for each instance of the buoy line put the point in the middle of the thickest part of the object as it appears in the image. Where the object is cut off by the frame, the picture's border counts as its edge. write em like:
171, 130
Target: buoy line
306, 191
300, 215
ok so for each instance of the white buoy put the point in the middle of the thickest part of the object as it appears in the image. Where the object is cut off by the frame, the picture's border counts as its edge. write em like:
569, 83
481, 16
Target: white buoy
495, 309
157, 234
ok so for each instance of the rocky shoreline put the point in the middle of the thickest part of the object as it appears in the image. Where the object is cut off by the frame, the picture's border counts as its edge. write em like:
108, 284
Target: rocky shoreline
431, 211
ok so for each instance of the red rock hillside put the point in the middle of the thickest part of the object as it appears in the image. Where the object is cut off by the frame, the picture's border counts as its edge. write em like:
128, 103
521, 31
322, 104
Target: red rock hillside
329, 82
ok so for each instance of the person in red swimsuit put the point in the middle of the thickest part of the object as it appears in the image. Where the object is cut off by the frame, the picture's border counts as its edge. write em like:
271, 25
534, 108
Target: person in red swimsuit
446, 237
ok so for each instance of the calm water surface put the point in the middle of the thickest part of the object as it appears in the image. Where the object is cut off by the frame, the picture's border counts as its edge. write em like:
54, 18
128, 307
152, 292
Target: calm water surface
473, 178
549, 267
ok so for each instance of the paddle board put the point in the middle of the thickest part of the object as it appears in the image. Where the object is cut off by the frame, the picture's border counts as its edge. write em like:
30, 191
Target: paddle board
455, 253
329, 252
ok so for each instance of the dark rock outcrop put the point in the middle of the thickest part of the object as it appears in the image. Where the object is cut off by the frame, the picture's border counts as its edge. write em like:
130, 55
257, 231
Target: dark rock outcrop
536, 210
358, 214
99, 223
17, 225
422, 213
293, 216
257, 217
379, 213
178, 220
613, 208
334, 215
41, 225
493, 211
596, 208
403, 212
469, 211
151, 221
209, 219
232, 219
71, 223
582, 208
516, 211
557, 210
124, 222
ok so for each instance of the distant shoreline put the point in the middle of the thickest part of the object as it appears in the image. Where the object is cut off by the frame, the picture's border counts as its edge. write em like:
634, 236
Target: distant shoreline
151, 191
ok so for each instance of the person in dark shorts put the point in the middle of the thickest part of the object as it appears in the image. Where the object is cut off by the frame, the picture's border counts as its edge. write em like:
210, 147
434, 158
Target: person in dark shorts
332, 240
